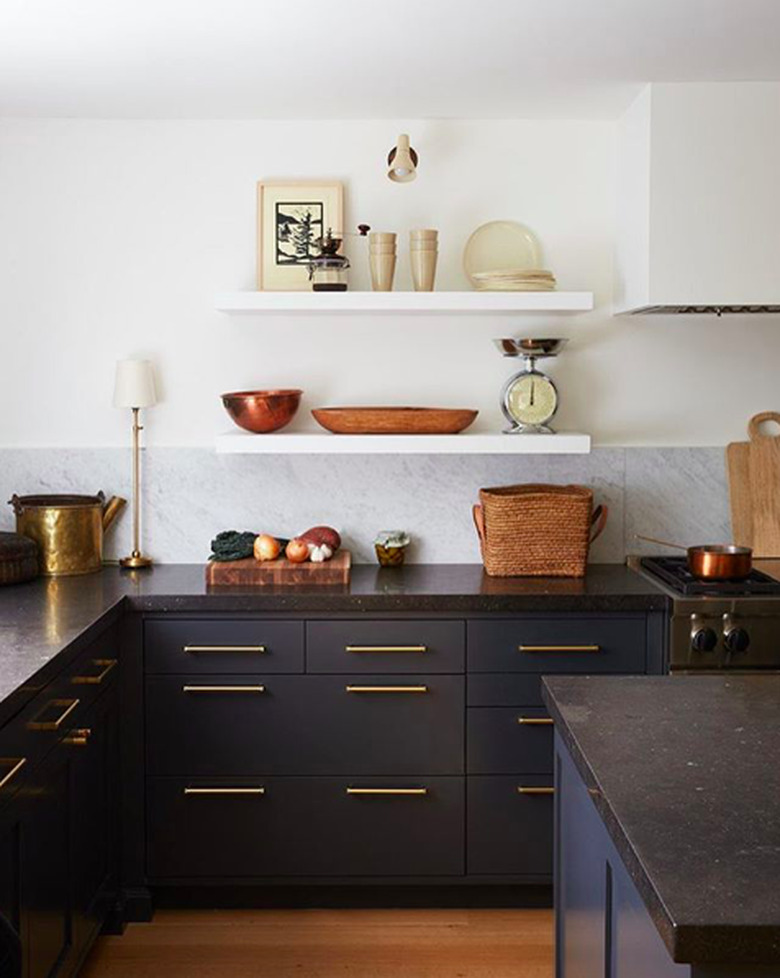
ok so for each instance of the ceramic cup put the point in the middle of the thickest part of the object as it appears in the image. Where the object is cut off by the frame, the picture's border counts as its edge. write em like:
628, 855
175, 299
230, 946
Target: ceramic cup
382, 271
423, 263
382, 249
423, 234
383, 237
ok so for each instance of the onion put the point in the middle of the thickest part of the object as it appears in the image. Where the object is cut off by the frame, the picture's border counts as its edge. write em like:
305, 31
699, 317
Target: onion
297, 551
267, 547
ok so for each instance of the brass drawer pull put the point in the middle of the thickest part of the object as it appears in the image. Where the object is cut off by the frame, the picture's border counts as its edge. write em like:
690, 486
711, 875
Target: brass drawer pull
78, 737
386, 648
106, 665
534, 790
223, 689
536, 721
225, 791
387, 791
16, 766
66, 706
223, 648
559, 648
386, 689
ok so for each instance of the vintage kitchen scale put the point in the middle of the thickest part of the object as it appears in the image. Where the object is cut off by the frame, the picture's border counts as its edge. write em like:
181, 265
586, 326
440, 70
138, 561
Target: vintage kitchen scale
529, 398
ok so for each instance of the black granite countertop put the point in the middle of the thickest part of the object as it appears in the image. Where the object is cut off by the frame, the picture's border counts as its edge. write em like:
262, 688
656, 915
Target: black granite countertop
42, 620
686, 777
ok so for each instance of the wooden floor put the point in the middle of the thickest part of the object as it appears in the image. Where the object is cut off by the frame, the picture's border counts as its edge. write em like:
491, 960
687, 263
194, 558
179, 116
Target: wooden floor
330, 944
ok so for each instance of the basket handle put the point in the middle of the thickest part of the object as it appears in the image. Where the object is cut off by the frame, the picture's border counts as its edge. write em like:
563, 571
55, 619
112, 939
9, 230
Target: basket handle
598, 521
479, 522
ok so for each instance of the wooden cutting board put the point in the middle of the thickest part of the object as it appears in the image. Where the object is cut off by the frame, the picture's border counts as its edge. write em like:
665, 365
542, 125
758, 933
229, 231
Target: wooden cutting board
754, 488
279, 573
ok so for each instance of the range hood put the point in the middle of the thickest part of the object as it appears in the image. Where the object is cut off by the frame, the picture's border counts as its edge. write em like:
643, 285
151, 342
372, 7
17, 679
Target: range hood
698, 209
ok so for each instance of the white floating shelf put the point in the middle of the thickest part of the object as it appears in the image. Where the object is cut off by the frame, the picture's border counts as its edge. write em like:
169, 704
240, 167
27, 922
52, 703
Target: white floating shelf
472, 303
324, 443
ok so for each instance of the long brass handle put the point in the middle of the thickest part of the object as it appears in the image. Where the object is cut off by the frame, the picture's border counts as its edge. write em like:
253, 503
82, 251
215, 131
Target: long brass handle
387, 791
106, 665
523, 789
223, 689
78, 737
386, 689
536, 721
225, 791
67, 706
16, 766
386, 648
223, 648
559, 648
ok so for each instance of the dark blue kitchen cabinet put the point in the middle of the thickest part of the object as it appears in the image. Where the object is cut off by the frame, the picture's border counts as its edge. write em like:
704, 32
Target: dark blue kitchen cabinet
602, 926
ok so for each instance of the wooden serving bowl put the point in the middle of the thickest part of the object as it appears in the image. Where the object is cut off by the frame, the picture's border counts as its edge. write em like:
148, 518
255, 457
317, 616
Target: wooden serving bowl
262, 411
394, 420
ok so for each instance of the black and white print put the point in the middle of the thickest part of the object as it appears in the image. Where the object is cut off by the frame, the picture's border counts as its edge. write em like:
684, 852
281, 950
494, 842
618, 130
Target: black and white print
299, 228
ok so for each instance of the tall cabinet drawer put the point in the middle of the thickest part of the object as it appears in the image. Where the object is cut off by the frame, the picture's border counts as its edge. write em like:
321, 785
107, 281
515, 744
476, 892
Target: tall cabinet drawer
305, 827
510, 825
508, 740
408, 646
567, 645
223, 645
305, 725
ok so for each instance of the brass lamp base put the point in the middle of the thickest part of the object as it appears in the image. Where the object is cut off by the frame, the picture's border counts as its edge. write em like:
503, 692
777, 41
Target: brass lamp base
135, 561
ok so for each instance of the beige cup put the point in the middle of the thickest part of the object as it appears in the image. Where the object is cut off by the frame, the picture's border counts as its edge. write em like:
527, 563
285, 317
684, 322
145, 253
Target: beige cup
382, 271
423, 246
382, 249
385, 237
423, 234
423, 264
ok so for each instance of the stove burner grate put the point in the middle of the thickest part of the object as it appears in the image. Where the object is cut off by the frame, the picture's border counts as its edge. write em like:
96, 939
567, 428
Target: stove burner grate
674, 572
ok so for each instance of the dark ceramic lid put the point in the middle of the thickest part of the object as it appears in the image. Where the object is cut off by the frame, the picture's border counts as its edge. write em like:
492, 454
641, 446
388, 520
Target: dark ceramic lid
14, 546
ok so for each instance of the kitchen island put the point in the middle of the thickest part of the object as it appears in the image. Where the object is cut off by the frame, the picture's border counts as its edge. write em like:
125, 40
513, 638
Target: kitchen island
667, 825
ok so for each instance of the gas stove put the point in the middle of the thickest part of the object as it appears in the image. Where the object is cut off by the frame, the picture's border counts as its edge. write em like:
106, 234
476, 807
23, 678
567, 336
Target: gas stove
715, 626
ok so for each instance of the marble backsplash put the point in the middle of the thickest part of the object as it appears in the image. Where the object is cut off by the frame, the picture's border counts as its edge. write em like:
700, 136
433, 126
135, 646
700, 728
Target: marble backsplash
192, 493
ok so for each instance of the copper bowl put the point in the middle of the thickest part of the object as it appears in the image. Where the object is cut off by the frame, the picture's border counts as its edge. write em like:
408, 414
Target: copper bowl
262, 411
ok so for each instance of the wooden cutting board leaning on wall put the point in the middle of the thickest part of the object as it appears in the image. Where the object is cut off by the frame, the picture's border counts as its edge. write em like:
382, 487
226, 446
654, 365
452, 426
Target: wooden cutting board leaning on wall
754, 487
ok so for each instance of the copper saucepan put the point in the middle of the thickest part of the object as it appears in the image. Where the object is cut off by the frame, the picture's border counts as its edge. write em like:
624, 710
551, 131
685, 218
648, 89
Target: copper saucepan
713, 562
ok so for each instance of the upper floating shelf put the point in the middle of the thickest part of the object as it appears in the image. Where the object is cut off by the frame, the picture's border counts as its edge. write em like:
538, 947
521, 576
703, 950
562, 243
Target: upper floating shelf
472, 303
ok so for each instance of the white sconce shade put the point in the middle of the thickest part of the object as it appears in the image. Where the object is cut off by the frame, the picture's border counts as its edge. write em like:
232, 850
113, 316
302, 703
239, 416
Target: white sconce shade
402, 161
134, 386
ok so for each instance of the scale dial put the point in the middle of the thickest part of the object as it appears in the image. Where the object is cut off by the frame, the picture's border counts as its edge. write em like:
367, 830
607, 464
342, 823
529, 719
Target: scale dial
529, 401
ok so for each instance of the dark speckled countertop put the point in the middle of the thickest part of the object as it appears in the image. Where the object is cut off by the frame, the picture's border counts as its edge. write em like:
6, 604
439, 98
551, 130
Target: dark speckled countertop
686, 772
42, 620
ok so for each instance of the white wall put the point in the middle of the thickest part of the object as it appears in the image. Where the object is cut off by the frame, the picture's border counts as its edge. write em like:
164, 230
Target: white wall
115, 235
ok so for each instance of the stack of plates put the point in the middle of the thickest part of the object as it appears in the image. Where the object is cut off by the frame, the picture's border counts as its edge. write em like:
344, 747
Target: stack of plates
514, 280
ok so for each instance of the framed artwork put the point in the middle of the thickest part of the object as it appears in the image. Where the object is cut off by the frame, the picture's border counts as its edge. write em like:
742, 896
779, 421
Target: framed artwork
291, 218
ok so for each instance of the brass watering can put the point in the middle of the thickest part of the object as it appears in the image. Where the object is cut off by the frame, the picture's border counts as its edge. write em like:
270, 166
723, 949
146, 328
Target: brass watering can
68, 529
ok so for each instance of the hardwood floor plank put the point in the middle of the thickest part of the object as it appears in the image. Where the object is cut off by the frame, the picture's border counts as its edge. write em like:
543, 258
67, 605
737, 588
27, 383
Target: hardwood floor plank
331, 944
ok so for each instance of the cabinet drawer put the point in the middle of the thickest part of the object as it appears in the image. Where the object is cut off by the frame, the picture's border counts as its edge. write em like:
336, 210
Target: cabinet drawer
304, 827
506, 689
509, 832
506, 740
241, 725
223, 645
385, 646
546, 645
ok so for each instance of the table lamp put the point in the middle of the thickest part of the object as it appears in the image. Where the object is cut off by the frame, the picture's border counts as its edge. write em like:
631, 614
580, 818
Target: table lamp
134, 388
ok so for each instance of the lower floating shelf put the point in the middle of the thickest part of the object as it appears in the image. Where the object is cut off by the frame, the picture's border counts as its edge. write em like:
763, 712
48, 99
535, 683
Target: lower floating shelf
323, 443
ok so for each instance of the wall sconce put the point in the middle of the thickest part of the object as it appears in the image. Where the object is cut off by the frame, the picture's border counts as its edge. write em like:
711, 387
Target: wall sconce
402, 161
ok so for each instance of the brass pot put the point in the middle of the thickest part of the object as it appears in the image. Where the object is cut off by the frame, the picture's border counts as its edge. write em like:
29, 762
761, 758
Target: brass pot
68, 529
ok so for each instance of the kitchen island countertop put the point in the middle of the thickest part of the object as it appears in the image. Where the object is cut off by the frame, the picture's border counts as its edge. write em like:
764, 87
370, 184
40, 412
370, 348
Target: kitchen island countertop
54, 618
683, 771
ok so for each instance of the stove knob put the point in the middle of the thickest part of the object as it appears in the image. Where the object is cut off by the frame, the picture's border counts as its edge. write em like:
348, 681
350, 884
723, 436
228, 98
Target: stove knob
736, 639
704, 640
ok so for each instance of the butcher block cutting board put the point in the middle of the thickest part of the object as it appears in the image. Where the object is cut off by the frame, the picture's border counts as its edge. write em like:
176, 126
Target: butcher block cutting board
754, 487
279, 573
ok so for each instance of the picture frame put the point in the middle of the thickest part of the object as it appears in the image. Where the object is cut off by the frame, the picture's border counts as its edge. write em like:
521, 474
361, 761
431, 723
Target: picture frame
291, 216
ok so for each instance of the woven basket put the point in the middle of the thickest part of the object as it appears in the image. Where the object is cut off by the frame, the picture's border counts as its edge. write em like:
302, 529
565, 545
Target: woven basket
537, 530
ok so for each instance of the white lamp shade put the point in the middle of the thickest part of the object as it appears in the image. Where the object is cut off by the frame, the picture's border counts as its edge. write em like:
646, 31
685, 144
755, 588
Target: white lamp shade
134, 385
